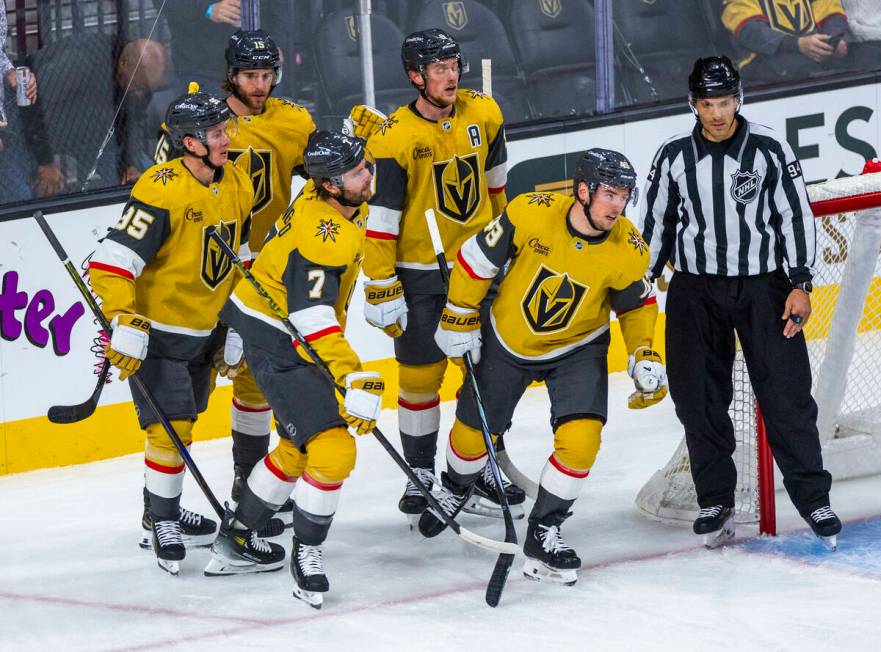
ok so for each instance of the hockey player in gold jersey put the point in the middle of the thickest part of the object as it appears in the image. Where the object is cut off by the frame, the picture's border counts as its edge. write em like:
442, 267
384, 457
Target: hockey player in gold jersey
445, 151
269, 143
309, 267
571, 261
162, 284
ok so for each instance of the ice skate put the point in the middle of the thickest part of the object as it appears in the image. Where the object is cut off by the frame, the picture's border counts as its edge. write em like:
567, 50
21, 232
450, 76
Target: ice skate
238, 550
826, 526
197, 531
716, 524
275, 526
413, 503
451, 498
485, 502
548, 558
307, 567
168, 545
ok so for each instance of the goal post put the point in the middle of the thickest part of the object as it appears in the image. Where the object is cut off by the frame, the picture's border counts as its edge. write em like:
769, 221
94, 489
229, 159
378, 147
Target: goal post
843, 337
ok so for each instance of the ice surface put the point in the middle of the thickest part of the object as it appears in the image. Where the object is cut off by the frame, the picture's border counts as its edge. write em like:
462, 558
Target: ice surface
73, 577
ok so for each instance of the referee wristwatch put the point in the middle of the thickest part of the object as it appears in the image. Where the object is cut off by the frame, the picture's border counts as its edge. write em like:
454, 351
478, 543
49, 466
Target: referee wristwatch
805, 286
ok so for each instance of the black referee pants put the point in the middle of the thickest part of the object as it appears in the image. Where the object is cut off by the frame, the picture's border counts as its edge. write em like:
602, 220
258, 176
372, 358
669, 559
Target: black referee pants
703, 313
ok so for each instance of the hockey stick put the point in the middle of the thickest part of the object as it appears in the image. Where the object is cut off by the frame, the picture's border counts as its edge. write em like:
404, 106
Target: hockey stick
464, 533
141, 385
74, 413
503, 565
529, 486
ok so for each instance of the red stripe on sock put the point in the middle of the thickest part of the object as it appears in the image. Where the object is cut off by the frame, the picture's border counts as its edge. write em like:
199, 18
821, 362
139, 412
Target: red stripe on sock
416, 407
246, 408
464, 458
170, 470
277, 472
323, 486
562, 468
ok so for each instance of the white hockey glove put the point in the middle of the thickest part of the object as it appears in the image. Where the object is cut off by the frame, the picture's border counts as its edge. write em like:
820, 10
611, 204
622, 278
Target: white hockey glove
363, 121
232, 360
385, 307
128, 344
459, 332
363, 401
649, 377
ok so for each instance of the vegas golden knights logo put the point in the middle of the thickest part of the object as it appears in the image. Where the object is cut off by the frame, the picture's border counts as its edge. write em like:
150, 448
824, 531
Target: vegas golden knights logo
791, 17
550, 8
551, 301
455, 14
215, 265
260, 171
457, 186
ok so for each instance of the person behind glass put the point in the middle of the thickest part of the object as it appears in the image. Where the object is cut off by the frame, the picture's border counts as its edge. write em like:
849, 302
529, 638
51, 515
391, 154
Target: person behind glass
726, 204
773, 46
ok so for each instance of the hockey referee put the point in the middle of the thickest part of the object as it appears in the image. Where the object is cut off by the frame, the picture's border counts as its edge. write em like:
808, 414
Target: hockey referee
726, 204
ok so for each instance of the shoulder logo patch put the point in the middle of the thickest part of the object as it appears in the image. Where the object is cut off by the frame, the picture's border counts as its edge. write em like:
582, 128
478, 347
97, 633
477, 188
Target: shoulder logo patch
475, 94
327, 229
387, 124
164, 175
541, 198
745, 186
635, 240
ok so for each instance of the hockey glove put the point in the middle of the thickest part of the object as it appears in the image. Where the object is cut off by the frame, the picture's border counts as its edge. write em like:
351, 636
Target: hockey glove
128, 344
363, 400
385, 307
649, 378
363, 121
459, 332
231, 361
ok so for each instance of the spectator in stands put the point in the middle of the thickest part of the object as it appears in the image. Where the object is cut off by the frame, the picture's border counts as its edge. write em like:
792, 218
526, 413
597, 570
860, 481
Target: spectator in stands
27, 167
864, 18
787, 39
141, 68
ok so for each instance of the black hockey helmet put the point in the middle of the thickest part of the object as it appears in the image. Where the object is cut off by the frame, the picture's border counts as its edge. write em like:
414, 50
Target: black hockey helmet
252, 49
330, 154
714, 77
428, 46
605, 167
192, 114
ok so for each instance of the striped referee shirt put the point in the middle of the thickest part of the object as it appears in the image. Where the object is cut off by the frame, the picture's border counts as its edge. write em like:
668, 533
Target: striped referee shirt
735, 208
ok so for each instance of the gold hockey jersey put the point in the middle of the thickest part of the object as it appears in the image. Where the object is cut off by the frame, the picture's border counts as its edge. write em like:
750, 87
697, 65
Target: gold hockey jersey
456, 166
560, 285
159, 261
309, 266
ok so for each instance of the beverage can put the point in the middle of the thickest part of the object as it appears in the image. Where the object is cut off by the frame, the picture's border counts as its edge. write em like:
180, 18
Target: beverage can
22, 76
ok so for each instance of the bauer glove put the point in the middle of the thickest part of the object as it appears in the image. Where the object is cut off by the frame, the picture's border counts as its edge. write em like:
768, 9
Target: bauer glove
649, 378
363, 121
128, 344
230, 361
363, 402
385, 307
459, 333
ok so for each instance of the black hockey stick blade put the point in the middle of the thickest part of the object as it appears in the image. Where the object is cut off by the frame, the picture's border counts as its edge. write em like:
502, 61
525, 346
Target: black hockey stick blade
74, 413
498, 579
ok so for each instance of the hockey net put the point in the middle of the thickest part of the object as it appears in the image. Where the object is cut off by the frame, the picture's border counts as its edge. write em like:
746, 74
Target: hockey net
844, 344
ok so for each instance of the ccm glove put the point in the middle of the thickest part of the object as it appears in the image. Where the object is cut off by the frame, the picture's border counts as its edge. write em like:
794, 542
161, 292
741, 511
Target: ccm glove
363, 401
649, 377
459, 332
363, 121
231, 361
128, 344
385, 307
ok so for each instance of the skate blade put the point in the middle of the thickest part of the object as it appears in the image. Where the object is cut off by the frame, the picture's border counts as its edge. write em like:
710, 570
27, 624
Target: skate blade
413, 520
830, 543
720, 537
218, 566
312, 598
190, 541
170, 566
539, 572
483, 507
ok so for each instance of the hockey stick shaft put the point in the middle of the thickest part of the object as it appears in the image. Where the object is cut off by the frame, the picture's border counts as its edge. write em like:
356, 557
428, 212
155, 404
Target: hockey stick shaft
74, 413
139, 383
281, 315
503, 565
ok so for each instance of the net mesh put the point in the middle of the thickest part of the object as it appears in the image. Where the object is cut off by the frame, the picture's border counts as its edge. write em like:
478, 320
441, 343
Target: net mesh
844, 344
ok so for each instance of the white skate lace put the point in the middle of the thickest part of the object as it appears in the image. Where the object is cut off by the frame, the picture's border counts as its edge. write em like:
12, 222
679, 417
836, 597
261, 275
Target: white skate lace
189, 518
490, 481
309, 560
168, 533
710, 512
425, 476
259, 544
551, 539
449, 501
822, 514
